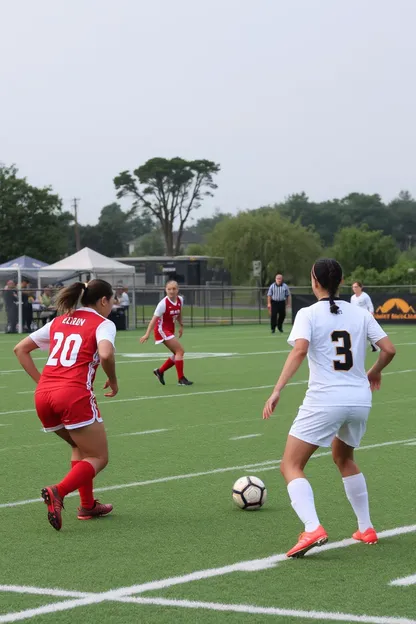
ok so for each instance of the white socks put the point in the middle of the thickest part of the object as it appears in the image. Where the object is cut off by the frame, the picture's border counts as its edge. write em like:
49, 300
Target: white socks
301, 496
356, 491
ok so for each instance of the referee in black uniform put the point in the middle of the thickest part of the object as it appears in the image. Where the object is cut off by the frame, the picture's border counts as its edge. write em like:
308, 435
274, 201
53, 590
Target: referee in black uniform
278, 297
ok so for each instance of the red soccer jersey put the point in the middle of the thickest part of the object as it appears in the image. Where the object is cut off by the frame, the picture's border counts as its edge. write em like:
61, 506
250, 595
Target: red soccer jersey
167, 313
72, 341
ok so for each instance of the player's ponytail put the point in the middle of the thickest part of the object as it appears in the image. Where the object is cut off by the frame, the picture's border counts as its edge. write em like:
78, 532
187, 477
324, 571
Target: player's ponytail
328, 273
87, 295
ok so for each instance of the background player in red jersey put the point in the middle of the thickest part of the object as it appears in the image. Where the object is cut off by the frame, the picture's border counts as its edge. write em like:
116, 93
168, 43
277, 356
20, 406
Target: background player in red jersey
167, 313
78, 341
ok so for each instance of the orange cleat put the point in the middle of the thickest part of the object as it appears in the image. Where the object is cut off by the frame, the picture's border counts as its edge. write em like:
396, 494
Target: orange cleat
98, 510
55, 505
308, 541
368, 537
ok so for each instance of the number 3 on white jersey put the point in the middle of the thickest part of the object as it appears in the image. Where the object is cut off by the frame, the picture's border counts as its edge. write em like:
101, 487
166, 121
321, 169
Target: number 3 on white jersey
343, 350
69, 352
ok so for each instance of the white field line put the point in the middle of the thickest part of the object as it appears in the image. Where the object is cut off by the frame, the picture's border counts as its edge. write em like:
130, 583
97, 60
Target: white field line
245, 437
405, 581
230, 356
260, 467
136, 433
126, 594
201, 393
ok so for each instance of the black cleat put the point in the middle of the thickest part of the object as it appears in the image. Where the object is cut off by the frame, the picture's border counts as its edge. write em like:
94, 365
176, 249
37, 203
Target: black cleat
185, 382
160, 376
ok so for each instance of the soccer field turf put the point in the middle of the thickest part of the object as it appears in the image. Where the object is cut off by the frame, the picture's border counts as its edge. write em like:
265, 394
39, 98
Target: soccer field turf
176, 549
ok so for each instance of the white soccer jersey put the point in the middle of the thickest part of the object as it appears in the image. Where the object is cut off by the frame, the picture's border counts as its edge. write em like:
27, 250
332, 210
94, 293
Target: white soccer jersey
336, 355
363, 301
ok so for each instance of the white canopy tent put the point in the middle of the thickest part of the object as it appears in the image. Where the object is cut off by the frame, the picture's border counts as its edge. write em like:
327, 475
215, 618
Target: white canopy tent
87, 261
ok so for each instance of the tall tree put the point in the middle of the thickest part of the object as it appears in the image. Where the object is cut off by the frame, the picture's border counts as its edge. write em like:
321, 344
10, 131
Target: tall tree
362, 247
32, 221
170, 190
266, 236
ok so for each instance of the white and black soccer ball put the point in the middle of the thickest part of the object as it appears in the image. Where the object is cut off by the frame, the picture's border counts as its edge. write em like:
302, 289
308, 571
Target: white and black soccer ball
249, 493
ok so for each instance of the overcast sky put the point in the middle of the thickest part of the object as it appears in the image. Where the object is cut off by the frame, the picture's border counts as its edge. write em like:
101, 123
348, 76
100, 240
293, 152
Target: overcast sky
287, 95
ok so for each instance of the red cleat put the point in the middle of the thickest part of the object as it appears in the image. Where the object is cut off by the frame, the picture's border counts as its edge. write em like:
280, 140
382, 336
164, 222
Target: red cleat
55, 505
98, 510
308, 541
368, 537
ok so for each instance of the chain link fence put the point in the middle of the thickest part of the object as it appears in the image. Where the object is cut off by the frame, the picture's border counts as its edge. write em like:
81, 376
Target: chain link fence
203, 306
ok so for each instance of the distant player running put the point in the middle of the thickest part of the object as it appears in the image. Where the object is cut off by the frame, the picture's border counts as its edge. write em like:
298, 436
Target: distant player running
78, 341
333, 334
362, 299
167, 313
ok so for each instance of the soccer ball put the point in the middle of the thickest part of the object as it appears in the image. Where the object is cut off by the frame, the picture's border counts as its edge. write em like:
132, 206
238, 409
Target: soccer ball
249, 493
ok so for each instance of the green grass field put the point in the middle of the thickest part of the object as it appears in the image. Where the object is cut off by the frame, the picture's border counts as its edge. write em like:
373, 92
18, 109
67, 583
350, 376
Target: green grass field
176, 549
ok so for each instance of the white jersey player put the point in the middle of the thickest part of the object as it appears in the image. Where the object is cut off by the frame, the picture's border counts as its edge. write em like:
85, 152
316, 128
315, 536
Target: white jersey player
363, 300
333, 335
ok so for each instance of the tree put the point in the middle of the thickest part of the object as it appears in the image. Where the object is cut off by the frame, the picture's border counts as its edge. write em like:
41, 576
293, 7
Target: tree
403, 218
196, 249
266, 236
169, 189
361, 247
204, 226
150, 244
32, 221
114, 230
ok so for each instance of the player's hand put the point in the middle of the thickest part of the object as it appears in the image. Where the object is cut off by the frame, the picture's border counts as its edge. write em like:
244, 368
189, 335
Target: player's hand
374, 379
270, 405
269, 309
114, 388
180, 331
144, 338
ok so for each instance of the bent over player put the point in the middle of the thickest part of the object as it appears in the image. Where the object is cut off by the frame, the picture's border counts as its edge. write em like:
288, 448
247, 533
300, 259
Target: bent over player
78, 341
167, 313
333, 335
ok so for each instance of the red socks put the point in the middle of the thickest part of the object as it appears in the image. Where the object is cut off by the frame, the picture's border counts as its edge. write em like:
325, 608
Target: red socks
81, 475
167, 365
86, 492
179, 368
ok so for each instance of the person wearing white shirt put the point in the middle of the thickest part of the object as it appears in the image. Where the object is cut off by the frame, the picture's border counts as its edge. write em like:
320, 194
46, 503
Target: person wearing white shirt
361, 299
124, 299
332, 334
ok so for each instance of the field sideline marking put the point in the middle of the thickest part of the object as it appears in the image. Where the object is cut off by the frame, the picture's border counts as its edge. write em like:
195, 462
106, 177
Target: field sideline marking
404, 582
136, 433
244, 437
202, 392
126, 594
260, 467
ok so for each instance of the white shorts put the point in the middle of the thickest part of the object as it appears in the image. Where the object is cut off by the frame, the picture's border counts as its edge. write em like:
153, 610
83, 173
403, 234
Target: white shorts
320, 425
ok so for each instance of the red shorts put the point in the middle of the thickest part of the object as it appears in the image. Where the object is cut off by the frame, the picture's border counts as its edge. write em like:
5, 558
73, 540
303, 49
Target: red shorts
162, 334
71, 408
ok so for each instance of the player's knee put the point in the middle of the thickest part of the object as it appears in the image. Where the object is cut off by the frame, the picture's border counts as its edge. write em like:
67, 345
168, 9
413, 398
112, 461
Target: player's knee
179, 354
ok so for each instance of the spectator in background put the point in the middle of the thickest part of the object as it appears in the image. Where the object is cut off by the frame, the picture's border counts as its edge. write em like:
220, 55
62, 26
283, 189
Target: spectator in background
278, 298
27, 311
46, 300
10, 303
124, 298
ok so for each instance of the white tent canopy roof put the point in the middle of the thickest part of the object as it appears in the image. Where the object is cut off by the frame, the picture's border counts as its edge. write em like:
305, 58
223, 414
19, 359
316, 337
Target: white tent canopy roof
88, 261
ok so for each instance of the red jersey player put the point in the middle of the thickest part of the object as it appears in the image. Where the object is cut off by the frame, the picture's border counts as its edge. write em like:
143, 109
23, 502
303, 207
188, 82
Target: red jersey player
78, 341
167, 313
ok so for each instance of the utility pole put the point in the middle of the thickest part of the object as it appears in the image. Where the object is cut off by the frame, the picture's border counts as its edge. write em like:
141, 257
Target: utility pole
77, 237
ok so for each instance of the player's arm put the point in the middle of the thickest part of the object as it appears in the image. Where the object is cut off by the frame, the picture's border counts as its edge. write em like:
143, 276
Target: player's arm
149, 329
157, 314
22, 351
106, 336
387, 352
292, 364
180, 322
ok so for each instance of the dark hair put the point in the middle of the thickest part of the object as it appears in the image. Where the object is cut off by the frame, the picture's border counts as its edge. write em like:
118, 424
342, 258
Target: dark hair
358, 283
328, 272
68, 298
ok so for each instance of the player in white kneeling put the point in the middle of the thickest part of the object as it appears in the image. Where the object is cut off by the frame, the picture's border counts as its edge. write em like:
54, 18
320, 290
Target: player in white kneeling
333, 335
362, 299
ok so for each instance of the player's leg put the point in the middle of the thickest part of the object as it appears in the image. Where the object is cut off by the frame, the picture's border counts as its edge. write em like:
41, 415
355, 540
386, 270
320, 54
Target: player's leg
86, 492
273, 316
176, 348
282, 315
169, 363
295, 457
355, 485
